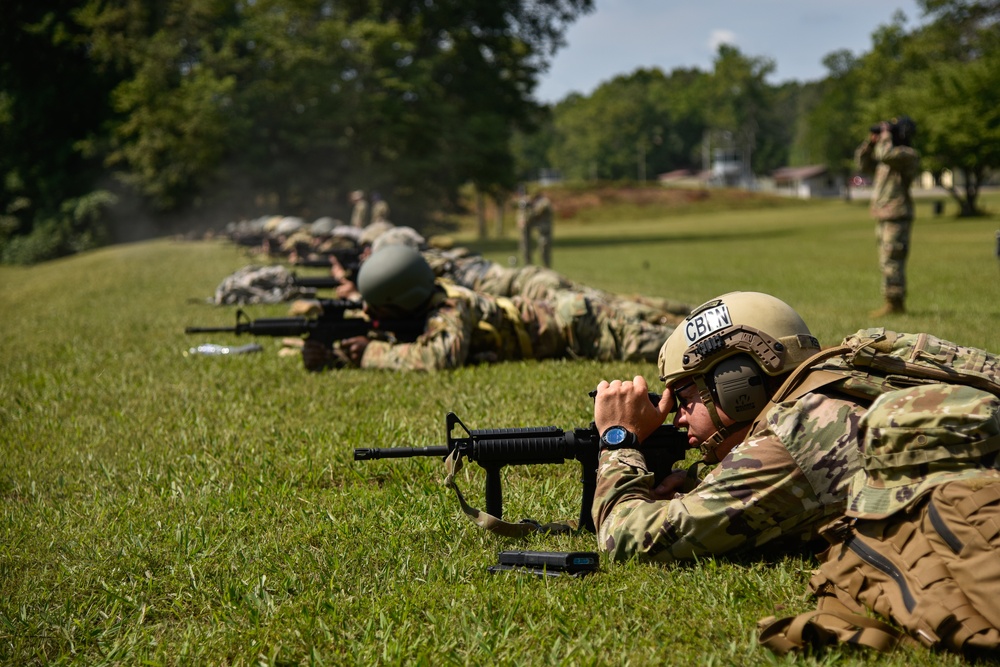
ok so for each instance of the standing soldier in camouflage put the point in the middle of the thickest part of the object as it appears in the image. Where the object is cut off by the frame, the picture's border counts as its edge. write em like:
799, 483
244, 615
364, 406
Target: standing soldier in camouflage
359, 212
785, 479
466, 327
380, 208
535, 214
887, 153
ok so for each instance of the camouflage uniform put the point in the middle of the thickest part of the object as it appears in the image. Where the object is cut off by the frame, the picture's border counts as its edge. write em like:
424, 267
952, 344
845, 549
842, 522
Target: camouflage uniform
895, 168
786, 481
359, 214
536, 215
380, 210
467, 327
259, 284
539, 283
469, 269
918, 438
482, 275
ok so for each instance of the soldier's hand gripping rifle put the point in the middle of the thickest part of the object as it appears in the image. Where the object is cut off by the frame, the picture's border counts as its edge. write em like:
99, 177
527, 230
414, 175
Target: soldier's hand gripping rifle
493, 449
328, 328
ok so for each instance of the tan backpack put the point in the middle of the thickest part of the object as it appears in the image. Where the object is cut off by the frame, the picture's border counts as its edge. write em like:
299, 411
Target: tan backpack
920, 546
873, 361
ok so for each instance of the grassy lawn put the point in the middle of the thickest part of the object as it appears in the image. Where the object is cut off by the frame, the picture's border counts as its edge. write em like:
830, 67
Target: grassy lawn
164, 508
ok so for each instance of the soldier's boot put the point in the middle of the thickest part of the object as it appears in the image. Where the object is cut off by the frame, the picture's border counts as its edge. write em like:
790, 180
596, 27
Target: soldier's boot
893, 306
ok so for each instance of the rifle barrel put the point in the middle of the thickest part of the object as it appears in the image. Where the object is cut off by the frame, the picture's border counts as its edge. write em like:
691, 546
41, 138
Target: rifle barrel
194, 330
317, 282
367, 454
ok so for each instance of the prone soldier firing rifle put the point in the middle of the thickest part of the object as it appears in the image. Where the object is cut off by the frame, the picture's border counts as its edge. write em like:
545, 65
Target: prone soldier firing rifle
493, 449
328, 329
463, 326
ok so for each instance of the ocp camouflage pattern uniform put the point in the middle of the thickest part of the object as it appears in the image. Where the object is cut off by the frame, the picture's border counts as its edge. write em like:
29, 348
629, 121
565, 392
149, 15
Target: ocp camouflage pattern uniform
895, 168
536, 215
466, 268
259, 284
540, 283
467, 327
359, 212
787, 481
921, 437
380, 211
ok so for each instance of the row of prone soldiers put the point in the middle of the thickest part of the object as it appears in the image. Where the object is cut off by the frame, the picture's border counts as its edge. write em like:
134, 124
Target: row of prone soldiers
474, 310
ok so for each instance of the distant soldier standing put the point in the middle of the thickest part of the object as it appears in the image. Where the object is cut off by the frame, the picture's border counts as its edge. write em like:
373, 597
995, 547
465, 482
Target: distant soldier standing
380, 208
359, 214
887, 153
536, 214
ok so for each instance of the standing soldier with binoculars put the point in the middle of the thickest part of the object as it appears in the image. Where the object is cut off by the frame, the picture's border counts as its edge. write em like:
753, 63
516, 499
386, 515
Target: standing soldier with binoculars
887, 153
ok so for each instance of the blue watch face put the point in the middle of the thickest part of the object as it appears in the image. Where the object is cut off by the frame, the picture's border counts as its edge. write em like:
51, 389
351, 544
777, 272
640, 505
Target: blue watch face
615, 435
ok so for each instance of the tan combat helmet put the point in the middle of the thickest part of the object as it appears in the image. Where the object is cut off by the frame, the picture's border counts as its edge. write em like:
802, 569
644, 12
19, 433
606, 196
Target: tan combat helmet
396, 276
725, 345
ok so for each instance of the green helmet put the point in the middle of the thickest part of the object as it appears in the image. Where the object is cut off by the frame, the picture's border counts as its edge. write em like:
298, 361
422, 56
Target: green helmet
396, 276
726, 346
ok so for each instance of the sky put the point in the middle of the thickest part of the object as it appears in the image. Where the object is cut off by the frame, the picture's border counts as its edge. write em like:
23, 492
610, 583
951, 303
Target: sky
620, 36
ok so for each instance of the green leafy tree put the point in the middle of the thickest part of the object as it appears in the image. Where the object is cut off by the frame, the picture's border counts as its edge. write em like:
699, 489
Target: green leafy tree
740, 100
274, 105
828, 116
309, 99
576, 146
52, 103
631, 127
949, 81
958, 104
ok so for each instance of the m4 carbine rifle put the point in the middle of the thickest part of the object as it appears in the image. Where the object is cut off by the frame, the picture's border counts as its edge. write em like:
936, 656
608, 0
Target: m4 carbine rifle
348, 258
493, 449
314, 282
331, 326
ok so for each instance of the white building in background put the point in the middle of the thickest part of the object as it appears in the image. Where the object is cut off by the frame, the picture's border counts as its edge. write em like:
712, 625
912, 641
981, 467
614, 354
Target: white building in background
807, 182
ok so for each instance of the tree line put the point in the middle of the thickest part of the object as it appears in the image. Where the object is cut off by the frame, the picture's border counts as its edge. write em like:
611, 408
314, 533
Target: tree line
945, 74
210, 110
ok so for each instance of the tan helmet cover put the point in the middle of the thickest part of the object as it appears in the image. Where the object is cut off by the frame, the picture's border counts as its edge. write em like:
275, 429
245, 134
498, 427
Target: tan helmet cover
765, 327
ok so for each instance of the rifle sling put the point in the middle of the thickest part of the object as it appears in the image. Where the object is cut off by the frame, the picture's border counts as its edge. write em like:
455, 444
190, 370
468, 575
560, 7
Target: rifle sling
525, 527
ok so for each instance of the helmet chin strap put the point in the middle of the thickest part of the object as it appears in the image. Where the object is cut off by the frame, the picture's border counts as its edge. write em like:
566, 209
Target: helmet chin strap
710, 444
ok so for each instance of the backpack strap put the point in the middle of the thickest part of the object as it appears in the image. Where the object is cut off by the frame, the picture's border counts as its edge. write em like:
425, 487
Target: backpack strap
831, 623
803, 380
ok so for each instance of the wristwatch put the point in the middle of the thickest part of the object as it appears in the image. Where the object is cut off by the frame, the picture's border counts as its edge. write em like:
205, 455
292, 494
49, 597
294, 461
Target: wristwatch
618, 437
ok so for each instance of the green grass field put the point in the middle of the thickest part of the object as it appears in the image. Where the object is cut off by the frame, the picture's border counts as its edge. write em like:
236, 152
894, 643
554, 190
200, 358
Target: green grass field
160, 508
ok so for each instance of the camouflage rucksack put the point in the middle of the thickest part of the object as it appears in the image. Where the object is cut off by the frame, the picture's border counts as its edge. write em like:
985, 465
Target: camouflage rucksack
920, 545
873, 361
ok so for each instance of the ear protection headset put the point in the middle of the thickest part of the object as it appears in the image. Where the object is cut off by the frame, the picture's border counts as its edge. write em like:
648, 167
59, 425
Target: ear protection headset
737, 386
